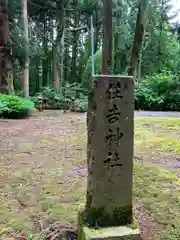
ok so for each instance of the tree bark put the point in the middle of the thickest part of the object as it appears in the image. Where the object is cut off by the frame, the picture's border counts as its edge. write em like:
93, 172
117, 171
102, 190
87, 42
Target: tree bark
4, 47
141, 23
97, 33
10, 81
25, 75
51, 63
107, 38
45, 60
75, 34
59, 48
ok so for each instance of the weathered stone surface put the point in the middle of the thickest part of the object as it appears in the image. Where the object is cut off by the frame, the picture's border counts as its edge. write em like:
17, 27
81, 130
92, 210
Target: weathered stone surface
110, 233
110, 151
116, 233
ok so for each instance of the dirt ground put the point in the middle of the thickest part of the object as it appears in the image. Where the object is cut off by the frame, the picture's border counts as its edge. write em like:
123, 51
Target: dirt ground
39, 155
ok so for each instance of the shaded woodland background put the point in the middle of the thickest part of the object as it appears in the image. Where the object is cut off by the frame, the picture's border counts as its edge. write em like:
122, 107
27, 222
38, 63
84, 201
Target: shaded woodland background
45, 47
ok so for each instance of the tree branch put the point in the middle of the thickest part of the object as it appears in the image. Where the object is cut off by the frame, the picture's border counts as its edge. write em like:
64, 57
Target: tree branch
77, 29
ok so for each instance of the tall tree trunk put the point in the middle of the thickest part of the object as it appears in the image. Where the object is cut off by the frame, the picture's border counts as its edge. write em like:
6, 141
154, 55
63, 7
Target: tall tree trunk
37, 63
45, 60
56, 68
4, 48
107, 38
10, 81
143, 49
25, 75
97, 34
62, 60
59, 48
118, 57
66, 62
51, 54
75, 34
116, 60
161, 27
141, 23
97, 27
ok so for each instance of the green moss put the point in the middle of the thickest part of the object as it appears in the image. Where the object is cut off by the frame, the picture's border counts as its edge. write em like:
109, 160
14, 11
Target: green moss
158, 190
114, 232
100, 218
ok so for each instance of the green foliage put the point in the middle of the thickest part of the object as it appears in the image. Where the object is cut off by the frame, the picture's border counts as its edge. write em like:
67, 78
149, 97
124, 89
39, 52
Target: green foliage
72, 98
74, 90
87, 75
53, 100
158, 92
49, 93
3, 107
160, 51
172, 97
146, 99
15, 107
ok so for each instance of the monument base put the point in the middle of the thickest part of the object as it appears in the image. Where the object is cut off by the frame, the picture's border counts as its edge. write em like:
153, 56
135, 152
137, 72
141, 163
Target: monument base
107, 233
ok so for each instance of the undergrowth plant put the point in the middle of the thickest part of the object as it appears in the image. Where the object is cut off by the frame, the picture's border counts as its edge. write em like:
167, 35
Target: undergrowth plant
72, 97
15, 107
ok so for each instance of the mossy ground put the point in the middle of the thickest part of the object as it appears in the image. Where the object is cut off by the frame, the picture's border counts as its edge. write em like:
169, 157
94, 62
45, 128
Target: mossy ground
43, 172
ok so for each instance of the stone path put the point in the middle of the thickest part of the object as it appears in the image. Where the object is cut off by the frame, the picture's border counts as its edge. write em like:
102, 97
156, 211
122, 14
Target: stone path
156, 114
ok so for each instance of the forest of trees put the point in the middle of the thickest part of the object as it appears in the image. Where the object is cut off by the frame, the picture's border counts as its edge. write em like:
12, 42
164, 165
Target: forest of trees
46, 44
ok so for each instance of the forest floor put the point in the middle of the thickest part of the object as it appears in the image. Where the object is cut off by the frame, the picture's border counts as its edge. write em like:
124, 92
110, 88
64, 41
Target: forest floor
43, 173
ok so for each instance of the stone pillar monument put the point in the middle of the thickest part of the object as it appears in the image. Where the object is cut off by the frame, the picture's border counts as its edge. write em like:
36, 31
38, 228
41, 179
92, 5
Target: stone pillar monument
110, 124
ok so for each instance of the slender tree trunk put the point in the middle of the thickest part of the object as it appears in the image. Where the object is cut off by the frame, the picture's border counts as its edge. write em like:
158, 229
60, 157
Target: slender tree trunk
66, 61
88, 45
10, 82
4, 48
45, 60
96, 35
48, 52
141, 23
116, 60
117, 53
139, 67
25, 75
59, 48
73, 74
56, 71
161, 26
37, 63
62, 60
107, 38
51, 63
97, 29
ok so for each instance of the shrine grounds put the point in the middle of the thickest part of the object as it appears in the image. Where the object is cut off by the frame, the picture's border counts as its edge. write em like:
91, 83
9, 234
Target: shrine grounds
43, 174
